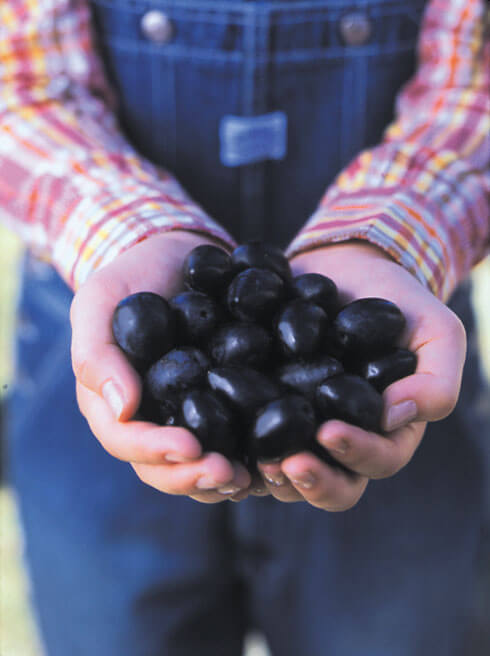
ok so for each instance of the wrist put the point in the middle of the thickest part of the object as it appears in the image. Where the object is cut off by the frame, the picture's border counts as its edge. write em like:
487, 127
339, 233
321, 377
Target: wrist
339, 251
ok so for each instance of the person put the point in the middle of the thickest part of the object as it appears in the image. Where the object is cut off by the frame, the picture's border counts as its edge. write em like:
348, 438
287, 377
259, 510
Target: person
255, 108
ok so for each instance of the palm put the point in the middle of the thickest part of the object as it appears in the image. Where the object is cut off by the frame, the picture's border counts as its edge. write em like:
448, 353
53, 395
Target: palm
432, 331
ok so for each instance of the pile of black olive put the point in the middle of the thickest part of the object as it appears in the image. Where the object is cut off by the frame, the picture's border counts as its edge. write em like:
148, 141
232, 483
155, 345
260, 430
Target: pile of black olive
252, 360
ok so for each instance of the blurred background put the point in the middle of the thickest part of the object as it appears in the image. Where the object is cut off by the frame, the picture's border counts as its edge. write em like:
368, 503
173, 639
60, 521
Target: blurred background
17, 630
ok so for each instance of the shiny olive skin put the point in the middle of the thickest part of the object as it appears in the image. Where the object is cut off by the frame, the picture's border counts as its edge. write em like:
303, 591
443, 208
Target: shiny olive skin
255, 295
390, 367
240, 343
168, 412
208, 269
318, 289
352, 399
255, 254
368, 326
304, 377
210, 420
175, 373
300, 328
244, 388
283, 427
157, 412
144, 327
197, 316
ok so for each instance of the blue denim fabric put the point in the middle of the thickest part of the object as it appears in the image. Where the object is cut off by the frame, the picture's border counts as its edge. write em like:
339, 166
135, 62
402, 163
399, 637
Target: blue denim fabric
119, 569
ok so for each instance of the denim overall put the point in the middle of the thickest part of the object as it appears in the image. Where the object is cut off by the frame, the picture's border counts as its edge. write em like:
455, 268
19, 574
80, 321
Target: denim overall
255, 106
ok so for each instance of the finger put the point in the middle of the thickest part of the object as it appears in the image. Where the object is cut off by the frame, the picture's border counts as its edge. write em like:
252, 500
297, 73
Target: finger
278, 484
323, 486
211, 473
136, 441
432, 391
98, 363
370, 454
236, 490
241, 496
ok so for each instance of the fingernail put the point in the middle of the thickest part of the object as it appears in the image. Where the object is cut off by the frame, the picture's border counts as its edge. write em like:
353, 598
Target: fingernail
113, 398
231, 489
206, 483
400, 414
176, 457
339, 446
306, 480
276, 480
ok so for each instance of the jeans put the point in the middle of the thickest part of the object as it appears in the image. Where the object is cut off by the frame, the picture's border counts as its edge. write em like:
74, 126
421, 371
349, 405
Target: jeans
118, 569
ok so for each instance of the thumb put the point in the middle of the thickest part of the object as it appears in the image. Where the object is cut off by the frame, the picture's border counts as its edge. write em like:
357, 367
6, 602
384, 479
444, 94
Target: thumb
98, 362
432, 391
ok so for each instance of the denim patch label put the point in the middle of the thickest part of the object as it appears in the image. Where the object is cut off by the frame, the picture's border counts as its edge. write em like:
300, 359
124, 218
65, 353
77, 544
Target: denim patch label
249, 139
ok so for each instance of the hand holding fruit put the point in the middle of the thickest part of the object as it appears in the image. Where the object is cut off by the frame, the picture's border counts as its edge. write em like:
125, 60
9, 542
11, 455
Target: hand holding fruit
437, 337
246, 360
109, 388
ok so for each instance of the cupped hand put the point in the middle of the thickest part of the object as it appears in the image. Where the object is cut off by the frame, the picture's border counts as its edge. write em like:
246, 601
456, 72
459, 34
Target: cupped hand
169, 459
432, 331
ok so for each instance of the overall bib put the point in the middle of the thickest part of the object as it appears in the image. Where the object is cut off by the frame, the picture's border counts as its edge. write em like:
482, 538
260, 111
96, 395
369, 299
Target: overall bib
255, 106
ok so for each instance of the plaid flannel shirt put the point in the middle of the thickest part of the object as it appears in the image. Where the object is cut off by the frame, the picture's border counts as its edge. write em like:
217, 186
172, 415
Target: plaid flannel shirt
79, 194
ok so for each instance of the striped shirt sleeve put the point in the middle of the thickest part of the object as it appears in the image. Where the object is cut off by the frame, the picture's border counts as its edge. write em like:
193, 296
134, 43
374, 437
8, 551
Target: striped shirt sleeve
70, 183
423, 193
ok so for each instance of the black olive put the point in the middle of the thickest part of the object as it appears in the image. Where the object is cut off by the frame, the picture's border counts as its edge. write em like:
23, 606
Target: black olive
388, 368
246, 389
255, 295
300, 328
369, 326
177, 372
351, 399
255, 254
304, 377
240, 343
143, 325
210, 420
197, 316
318, 289
158, 412
282, 428
208, 269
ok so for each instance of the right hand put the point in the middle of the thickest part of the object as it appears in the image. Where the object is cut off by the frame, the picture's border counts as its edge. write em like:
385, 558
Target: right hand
108, 389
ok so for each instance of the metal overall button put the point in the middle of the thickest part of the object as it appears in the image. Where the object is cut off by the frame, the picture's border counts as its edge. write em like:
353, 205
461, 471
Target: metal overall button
355, 28
157, 26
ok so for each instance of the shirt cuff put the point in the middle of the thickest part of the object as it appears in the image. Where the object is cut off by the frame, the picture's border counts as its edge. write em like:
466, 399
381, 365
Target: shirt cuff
97, 230
402, 223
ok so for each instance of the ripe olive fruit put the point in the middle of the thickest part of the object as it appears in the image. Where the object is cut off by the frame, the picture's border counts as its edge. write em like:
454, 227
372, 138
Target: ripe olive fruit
196, 316
210, 420
240, 343
318, 289
304, 377
300, 328
283, 427
388, 368
208, 269
255, 254
244, 388
351, 399
255, 295
143, 325
176, 372
369, 326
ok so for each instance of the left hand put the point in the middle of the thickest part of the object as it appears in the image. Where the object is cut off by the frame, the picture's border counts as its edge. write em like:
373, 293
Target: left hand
436, 335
